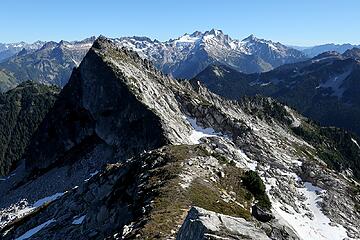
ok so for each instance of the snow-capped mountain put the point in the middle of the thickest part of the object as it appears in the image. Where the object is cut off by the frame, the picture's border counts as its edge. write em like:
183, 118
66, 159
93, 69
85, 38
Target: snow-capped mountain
324, 88
52, 63
183, 57
10, 49
189, 54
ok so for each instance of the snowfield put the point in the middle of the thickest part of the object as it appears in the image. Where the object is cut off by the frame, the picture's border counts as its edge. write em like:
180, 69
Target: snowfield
23, 207
200, 132
240, 158
79, 220
309, 222
34, 230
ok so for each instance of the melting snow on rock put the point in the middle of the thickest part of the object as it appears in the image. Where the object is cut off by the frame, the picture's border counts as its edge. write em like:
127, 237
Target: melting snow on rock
79, 220
34, 230
200, 132
51, 198
356, 143
23, 208
315, 227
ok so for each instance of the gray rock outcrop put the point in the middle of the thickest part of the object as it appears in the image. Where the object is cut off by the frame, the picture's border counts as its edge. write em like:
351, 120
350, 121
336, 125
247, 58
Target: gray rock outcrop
202, 224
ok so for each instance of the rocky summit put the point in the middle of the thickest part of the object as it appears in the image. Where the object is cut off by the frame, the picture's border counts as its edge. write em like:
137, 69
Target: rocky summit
127, 152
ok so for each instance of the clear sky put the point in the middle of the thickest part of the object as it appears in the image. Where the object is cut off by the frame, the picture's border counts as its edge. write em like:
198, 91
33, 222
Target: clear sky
295, 22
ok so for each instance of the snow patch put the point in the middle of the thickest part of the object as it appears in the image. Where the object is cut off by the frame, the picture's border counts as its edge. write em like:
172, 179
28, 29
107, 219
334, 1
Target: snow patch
244, 160
127, 229
48, 199
8, 177
356, 143
91, 175
265, 84
241, 159
297, 163
296, 121
35, 230
14, 211
308, 220
200, 132
22, 208
335, 83
186, 39
218, 72
75, 62
94, 173
79, 220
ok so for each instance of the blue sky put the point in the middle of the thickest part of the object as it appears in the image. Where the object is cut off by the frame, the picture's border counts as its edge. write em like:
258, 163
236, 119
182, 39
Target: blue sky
300, 22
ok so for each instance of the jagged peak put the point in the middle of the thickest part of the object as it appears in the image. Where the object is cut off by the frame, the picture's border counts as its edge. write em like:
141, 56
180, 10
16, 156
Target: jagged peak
84, 42
89, 39
251, 37
196, 34
22, 52
254, 39
216, 32
102, 42
50, 44
107, 48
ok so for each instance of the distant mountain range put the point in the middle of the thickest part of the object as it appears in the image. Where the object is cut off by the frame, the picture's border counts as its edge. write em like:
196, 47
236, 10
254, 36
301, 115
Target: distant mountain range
316, 50
8, 50
183, 57
52, 63
325, 88
188, 55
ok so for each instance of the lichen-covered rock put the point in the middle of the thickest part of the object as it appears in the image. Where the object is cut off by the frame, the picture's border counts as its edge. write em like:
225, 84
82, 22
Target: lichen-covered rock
202, 224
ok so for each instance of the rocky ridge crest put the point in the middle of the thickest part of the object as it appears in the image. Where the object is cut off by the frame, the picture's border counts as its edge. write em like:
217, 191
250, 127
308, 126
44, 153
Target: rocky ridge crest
193, 152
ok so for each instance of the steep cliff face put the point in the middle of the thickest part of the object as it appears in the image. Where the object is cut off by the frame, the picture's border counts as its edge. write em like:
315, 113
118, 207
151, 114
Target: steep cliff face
95, 107
185, 164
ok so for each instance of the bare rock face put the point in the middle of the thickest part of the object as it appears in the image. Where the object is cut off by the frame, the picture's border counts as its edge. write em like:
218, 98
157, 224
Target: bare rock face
202, 224
102, 206
94, 107
170, 158
260, 214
